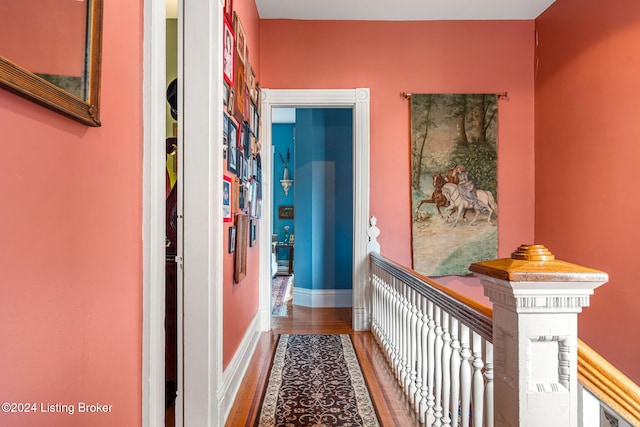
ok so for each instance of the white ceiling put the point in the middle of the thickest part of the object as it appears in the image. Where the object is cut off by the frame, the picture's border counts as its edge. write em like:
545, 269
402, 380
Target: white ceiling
396, 10
402, 10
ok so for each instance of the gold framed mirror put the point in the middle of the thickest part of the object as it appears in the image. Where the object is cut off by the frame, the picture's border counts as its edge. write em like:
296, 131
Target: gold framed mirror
37, 67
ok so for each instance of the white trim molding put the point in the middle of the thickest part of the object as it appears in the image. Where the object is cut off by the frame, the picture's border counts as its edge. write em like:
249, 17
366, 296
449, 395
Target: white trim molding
200, 116
153, 217
359, 100
322, 298
233, 375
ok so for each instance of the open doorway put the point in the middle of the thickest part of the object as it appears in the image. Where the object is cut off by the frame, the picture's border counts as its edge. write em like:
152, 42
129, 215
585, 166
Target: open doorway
199, 356
358, 101
173, 227
312, 220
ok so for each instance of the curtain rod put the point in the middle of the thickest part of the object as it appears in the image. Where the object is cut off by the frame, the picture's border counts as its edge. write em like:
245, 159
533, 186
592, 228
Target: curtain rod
406, 95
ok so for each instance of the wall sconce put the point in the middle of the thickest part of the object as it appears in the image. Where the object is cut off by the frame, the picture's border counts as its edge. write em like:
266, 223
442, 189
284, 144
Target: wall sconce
286, 182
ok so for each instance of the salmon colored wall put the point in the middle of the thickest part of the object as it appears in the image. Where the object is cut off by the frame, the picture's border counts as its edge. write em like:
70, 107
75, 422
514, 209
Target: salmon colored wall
71, 252
241, 300
588, 157
418, 57
51, 41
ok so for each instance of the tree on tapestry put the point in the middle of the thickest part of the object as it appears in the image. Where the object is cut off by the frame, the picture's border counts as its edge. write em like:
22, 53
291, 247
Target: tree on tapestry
453, 181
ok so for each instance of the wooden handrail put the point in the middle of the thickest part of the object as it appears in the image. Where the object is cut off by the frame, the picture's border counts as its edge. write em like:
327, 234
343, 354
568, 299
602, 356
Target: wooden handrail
608, 384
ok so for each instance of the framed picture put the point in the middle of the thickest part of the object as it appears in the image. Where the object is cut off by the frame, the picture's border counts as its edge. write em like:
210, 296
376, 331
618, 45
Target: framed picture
245, 169
246, 139
254, 168
242, 198
228, 53
255, 147
235, 195
228, 9
241, 40
254, 199
258, 98
232, 158
256, 122
231, 100
258, 167
285, 212
240, 265
252, 232
225, 95
247, 104
251, 83
258, 208
232, 239
239, 95
258, 191
225, 136
226, 199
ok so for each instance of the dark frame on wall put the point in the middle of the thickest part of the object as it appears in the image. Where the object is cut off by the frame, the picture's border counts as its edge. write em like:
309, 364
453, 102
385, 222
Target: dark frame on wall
286, 212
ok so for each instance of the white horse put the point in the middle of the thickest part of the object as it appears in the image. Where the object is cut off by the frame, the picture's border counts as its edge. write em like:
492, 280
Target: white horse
456, 200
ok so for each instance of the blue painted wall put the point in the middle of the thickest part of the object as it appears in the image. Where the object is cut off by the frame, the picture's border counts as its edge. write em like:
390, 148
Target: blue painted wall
282, 139
323, 192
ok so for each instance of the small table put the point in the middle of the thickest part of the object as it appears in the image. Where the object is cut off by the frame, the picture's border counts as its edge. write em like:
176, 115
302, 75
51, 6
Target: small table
283, 245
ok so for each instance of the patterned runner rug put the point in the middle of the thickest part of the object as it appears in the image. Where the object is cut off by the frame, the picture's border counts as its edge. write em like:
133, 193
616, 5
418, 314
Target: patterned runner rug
316, 380
280, 286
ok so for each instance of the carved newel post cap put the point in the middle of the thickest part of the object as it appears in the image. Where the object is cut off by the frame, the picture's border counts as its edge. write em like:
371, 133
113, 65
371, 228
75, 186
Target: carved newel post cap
532, 253
534, 263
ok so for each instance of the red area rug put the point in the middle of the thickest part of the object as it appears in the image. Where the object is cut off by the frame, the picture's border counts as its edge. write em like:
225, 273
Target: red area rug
280, 290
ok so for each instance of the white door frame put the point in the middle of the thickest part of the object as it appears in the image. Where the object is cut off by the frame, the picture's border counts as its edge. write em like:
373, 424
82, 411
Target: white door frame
358, 99
153, 214
200, 115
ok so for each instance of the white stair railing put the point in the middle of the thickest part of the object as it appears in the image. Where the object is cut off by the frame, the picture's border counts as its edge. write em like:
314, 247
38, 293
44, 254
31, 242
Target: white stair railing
440, 344
426, 335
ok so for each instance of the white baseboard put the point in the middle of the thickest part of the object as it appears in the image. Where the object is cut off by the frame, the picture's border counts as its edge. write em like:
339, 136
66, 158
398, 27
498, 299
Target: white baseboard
233, 375
322, 297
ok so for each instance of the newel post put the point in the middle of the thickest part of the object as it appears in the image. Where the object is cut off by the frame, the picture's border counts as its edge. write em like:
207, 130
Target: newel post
536, 301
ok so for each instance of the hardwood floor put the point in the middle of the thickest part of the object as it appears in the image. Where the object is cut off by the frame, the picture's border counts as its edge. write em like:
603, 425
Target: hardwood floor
391, 406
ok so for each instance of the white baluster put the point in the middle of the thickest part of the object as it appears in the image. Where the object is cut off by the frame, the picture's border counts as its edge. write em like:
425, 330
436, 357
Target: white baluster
386, 310
397, 340
374, 305
431, 339
465, 375
424, 368
438, 368
455, 372
412, 347
404, 331
393, 332
478, 381
446, 370
488, 389
378, 307
420, 356
386, 321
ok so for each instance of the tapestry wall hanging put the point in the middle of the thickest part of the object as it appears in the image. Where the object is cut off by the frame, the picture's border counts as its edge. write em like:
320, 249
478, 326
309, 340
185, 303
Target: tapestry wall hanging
453, 181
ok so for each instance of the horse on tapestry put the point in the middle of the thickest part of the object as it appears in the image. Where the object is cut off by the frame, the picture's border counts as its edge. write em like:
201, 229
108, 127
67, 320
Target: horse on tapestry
437, 197
456, 201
